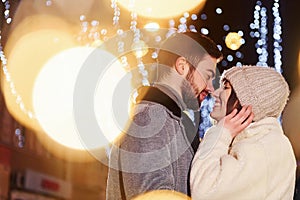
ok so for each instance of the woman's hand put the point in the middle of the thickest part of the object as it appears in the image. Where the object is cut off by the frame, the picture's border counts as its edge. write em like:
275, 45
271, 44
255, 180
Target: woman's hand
237, 122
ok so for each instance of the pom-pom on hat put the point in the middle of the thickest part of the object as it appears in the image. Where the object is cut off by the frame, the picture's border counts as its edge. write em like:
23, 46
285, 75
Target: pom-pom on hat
262, 87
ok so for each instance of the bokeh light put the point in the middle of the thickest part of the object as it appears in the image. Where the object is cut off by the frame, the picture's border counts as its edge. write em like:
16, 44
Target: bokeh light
162, 194
152, 26
161, 9
140, 48
53, 97
28, 48
233, 40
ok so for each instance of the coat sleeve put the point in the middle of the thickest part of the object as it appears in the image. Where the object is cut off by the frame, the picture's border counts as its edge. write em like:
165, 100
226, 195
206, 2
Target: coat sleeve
219, 172
145, 169
146, 152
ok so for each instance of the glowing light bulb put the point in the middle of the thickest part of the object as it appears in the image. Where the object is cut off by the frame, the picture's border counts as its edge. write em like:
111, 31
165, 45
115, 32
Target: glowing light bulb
233, 41
161, 9
140, 48
153, 26
162, 194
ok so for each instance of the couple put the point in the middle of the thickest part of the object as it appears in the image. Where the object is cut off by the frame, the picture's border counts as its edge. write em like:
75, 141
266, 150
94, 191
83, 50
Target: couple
245, 155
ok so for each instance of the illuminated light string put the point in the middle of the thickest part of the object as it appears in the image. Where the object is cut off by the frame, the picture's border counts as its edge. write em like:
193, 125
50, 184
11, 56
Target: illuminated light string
138, 47
90, 33
192, 27
182, 27
21, 137
259, 26
262, 43
83, 29
94, 34
205, 109
277, 37
117, 12
13, 90
120, 31
260, 31
6, 12
18, 131
208, 103
137, 43
277, 48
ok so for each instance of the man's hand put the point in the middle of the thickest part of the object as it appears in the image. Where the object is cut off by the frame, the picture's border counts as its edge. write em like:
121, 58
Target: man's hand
237, 122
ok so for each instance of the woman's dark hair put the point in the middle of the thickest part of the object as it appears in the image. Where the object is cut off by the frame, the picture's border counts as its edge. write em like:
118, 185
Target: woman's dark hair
233, 102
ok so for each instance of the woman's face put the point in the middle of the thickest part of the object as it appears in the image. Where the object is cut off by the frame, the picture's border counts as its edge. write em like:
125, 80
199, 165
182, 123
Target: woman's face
221, 96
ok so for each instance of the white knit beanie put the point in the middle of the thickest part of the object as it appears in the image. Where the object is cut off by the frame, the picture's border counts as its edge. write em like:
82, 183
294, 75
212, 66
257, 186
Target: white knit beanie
262, 87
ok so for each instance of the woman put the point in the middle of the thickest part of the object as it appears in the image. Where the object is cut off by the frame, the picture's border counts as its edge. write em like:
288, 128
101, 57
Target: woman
257, 163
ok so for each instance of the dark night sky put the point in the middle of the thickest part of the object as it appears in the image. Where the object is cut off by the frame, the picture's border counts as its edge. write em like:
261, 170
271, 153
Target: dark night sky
239, 14
291, 45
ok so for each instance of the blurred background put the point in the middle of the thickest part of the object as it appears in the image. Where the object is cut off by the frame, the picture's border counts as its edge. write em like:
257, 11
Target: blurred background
45, 44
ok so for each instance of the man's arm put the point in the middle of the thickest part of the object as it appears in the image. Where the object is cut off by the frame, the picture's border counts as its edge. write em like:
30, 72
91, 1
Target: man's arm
146, 152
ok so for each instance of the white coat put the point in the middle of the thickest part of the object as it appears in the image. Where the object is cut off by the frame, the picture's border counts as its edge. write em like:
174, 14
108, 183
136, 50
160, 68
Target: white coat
259, 164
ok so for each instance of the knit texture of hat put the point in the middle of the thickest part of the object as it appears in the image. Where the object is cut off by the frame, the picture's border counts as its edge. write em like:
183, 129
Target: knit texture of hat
262, 87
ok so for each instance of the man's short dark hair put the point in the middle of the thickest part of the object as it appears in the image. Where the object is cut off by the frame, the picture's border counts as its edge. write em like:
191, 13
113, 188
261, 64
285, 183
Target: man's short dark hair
169, 58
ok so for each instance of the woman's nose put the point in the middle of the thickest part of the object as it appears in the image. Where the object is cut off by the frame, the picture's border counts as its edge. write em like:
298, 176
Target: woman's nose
210, 88
215, 93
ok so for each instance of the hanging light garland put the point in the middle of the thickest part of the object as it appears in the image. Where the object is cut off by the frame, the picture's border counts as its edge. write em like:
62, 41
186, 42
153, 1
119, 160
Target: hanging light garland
260, 31
277, 37
19, 133
117, 12
260, 25
6, 73
6, 12
139, 47
182, 27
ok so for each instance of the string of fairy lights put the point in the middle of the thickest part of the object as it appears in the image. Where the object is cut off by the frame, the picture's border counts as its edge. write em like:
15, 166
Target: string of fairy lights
277, 48
91, 33
260, 31
8, 19
6, 12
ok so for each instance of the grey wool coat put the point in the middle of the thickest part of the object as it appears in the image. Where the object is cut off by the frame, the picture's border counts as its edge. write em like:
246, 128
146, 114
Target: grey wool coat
155, 152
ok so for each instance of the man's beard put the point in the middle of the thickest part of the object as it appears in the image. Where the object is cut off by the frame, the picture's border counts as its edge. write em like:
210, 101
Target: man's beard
189, 92
190, 79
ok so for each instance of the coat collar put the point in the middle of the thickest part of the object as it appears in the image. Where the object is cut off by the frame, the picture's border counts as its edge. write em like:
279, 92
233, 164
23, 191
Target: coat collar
261, 127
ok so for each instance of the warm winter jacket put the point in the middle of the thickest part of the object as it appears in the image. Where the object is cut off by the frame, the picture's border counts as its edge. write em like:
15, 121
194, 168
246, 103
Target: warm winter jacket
259, 165
155, 153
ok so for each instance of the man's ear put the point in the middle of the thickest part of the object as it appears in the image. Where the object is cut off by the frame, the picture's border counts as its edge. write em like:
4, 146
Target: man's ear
181, 66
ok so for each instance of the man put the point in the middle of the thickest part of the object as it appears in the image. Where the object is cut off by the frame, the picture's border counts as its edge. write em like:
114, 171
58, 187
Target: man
157, 149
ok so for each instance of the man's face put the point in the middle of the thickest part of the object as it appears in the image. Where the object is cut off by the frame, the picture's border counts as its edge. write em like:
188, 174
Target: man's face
203, 76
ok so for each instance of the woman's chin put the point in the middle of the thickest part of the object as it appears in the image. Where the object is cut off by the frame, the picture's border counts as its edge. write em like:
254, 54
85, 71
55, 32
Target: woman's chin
216, 117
